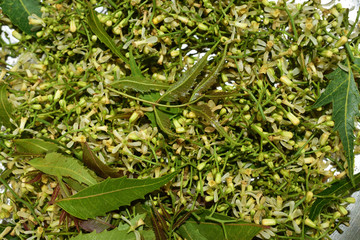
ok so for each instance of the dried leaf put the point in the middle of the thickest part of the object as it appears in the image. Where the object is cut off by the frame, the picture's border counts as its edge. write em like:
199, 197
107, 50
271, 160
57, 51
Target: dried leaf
211, 230
181, 220
139, 84
59, 165
5, 107
32, 147
109, 195
159, 232
164, 212
205, 112
98, 225
181, 87
342, 91
95, 164
19, 10
160, 219
99, 31
207, 82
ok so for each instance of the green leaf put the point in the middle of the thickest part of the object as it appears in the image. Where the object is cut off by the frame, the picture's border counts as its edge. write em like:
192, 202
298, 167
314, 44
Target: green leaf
32, 147
115, 234
336, 189
163, 121
342, 91
109, 195
135, 70
161, 115
73, 184
139, 84
204, 111
19, 10
181, 87
59, 165
5, 107
95, 164
99, 31
207, 82
205, 229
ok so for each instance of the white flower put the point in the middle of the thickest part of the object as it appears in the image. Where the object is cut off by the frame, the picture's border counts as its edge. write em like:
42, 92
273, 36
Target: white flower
293, 213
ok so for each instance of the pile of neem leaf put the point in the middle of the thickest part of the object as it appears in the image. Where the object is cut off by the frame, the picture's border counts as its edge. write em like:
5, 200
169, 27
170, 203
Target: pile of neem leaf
177, 119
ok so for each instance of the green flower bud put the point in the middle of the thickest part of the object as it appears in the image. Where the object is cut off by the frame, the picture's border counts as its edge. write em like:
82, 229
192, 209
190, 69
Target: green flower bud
310, 223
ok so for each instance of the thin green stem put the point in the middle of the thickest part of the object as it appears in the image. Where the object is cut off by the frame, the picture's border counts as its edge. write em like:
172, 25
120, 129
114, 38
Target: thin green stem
154, 103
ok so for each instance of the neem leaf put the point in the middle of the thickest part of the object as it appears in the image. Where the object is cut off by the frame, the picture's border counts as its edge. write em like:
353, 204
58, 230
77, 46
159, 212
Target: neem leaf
207, 82
342, 91
181, 87
115, 234
59, 165
109, 195
204, 111
135, 70
139, 84
161, 115
5, 107
100, 32
163, 121
204, 229
31, 147
19, 10
95, 164
338, 188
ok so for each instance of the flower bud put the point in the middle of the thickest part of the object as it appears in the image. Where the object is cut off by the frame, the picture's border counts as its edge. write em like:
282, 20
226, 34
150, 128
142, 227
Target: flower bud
16, 35
133, 136
209, 198
203, 27
201, 166
174, 53
268, 222
72, 26
326, 53
293, 119
341, 41
336, 215
323, 138
310, 223
284, 79
343, 210
36, 106
309, 196
286, 134
158, 19
309, 160
350, 200
218, 178
334, 12
57, 95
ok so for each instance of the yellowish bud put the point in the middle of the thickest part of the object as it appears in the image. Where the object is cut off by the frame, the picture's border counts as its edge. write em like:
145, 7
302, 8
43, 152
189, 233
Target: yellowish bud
293, 119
